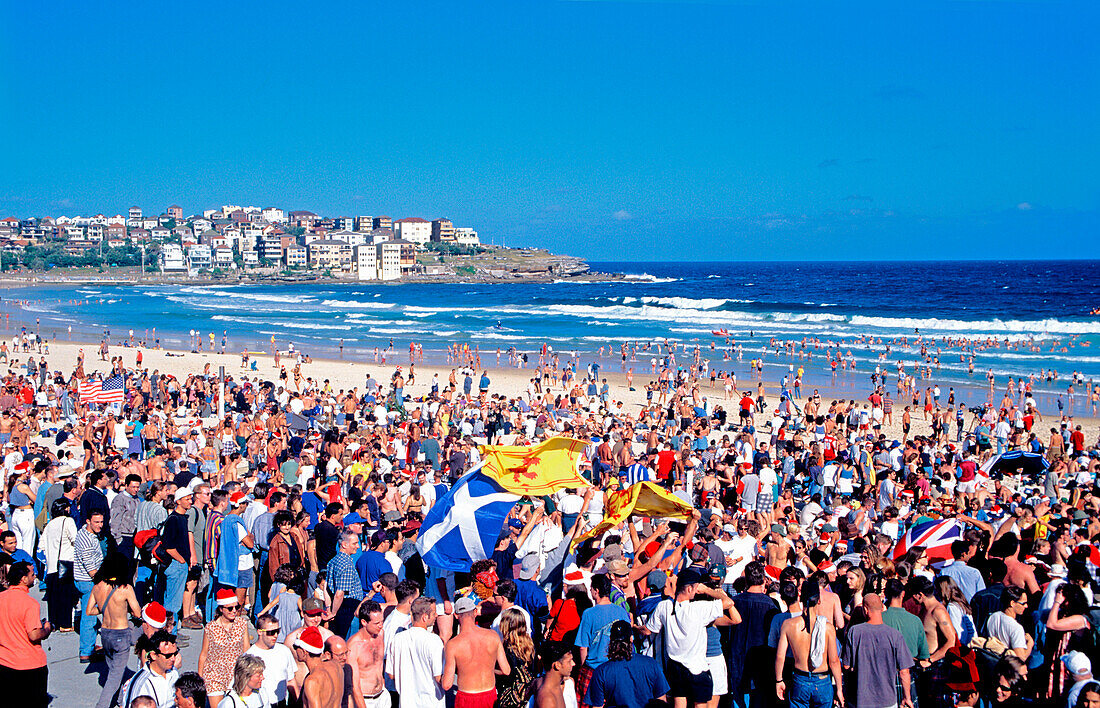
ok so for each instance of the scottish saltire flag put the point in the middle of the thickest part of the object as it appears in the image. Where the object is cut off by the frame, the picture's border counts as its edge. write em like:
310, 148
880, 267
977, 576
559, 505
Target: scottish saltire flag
113, 390
934, 536
465, 524
635, 473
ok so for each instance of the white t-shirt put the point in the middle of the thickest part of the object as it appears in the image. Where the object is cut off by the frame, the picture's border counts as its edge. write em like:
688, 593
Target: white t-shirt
233, 700
414, 658
1008, 630
279, 668
684, 626
743, 548
396, 621
159, 688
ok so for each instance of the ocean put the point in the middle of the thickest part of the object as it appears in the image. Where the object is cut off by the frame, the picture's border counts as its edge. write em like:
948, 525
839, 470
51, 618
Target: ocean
1039, 307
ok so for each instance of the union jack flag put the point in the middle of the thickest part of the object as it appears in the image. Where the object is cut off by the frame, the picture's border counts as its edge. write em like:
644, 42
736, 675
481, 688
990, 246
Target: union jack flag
113, 390
934, 536
89, 390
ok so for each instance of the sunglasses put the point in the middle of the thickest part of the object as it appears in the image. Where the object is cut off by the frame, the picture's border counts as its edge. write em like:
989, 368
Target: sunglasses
231, 608
169, 654
273, 630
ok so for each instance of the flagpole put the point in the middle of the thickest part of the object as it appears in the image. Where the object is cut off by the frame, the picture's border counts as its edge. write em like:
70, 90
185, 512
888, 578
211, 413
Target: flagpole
221, 393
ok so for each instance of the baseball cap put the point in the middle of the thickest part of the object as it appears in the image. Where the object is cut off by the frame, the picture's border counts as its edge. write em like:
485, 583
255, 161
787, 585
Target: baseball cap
621, 631
183, 492
656, 579
464, 604
1077, 663
529, 566
354, 518
617, 566
730, 529
312, 606
515, 524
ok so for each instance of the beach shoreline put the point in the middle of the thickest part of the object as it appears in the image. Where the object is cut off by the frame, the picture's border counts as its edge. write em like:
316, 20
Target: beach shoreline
506, 380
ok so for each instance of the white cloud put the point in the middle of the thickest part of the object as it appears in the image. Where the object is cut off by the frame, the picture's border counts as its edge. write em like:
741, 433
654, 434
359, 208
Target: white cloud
622, 215
1024, 206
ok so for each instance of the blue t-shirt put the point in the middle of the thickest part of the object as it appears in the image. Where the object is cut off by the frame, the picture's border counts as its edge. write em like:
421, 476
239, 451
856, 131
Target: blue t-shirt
626, 684
314, 506
370, 566
594, 632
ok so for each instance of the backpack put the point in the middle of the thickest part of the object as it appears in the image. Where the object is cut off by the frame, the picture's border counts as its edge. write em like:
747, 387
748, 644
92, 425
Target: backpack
151, 547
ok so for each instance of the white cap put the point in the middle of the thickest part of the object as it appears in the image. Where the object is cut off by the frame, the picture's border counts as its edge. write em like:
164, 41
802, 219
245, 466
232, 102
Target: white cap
183, 492
1077, 663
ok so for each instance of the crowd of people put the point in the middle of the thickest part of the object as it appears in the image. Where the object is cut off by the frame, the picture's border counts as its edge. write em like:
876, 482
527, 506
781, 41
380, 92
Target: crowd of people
283, 536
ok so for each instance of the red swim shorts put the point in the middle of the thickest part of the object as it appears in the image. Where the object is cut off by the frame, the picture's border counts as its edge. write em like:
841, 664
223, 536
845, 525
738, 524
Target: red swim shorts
485, 699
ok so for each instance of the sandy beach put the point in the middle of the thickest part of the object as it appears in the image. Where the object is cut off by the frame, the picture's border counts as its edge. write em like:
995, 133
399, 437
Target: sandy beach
508, 381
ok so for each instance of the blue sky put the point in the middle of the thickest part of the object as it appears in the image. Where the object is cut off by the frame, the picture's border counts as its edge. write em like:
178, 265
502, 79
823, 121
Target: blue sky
645, 130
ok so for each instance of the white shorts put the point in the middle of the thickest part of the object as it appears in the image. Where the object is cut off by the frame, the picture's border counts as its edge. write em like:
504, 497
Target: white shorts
717, 667
382, 700
968, 487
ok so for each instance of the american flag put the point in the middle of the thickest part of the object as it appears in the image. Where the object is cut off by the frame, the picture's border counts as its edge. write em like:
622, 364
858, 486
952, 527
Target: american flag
113, 390
934, 536
89, 390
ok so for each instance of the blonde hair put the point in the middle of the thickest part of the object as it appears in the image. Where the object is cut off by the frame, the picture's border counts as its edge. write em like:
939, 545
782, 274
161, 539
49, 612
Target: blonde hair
513, 629
247, 666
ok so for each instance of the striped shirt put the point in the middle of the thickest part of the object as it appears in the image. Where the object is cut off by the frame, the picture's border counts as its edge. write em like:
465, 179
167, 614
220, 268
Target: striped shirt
87, 556
342, 576
636, 473
149, 515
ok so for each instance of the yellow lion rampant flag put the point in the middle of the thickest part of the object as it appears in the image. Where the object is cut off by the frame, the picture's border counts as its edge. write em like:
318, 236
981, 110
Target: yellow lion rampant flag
536, 470
641, 499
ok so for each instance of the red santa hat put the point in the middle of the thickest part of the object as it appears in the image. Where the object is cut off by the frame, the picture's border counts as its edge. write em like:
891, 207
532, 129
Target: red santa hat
237, 498
154, 615
226, 597
23, 466
826, 566
310, 640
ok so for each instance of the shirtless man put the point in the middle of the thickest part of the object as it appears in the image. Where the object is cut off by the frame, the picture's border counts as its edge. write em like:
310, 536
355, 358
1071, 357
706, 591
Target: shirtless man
1018, 573
829, 602
312, 615
324, 682
938, 629
366, 654
470, 658
336, 653
114, 598
795, 634
557, 660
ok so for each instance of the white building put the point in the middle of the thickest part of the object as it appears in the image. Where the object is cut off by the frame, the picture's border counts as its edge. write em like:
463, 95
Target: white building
414, 229
352, 238
389, 260
199, 256
466, 237
274, 215
223, 257
171, 258
295, 256
366, 261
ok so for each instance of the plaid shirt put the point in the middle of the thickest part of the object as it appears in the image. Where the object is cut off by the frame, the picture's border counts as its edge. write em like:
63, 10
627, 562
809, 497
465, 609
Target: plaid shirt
342, 576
